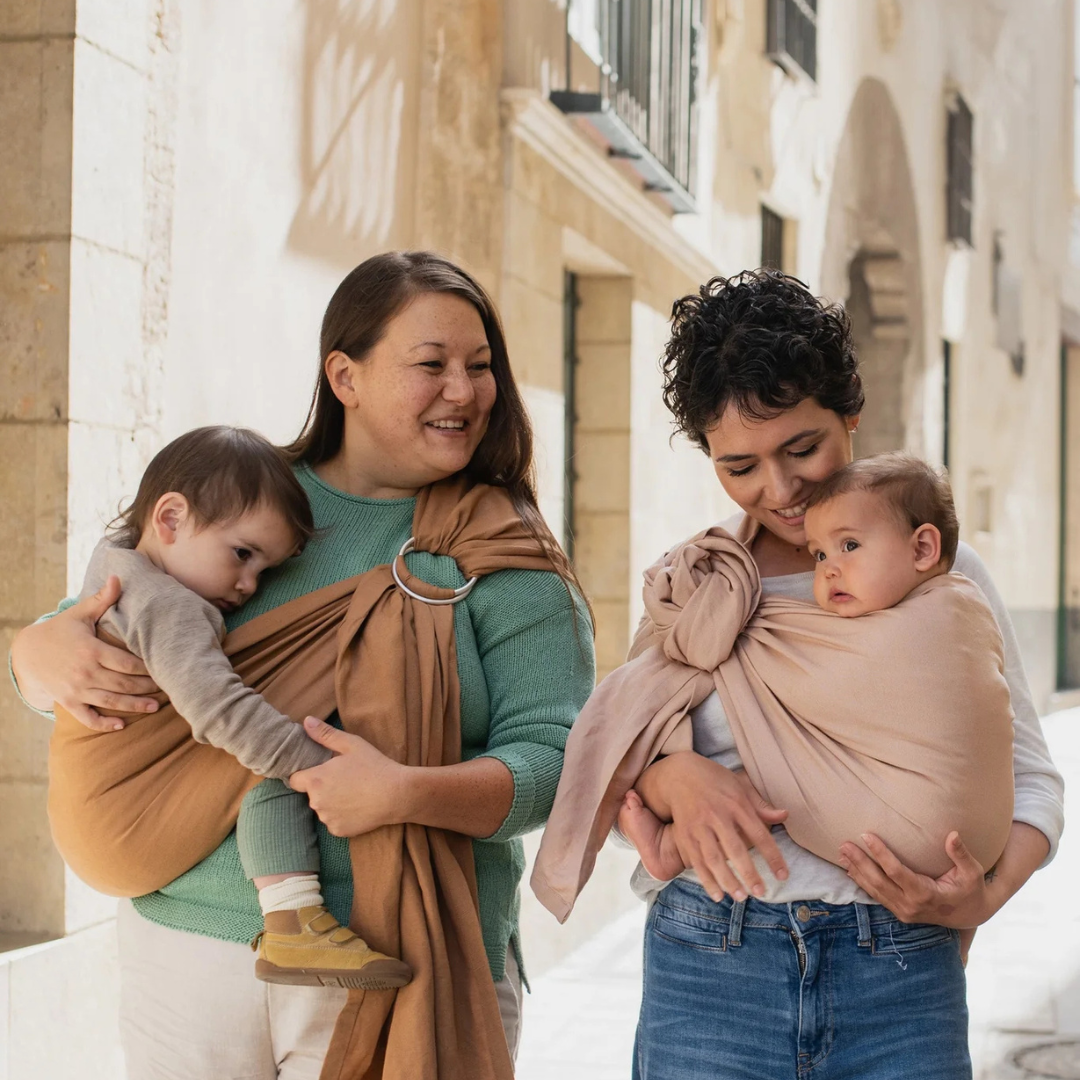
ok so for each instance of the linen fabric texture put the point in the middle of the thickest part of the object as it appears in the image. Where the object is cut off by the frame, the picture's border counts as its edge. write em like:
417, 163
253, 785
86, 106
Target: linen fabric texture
387, 663
897, 722
178, 635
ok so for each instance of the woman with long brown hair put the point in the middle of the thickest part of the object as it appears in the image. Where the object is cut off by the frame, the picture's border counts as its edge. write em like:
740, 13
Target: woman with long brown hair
417, 436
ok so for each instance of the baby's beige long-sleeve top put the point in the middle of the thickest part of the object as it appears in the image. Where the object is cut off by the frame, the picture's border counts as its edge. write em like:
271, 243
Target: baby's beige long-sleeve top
178, 635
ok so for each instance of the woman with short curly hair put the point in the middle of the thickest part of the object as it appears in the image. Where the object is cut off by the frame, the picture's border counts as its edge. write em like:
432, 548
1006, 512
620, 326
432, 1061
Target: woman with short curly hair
764, 961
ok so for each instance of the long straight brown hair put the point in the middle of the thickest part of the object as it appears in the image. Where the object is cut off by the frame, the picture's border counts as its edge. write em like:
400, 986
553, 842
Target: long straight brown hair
356, 319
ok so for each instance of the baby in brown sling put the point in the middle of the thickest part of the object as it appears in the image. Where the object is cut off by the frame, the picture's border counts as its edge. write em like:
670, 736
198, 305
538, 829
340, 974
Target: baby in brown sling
215, 508
878, 529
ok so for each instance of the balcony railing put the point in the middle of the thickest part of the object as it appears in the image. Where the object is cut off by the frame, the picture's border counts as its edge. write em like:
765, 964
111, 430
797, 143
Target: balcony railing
646, 107
791, 35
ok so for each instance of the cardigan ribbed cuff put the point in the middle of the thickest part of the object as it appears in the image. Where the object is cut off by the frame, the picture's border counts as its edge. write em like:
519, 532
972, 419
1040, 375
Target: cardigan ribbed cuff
535, 770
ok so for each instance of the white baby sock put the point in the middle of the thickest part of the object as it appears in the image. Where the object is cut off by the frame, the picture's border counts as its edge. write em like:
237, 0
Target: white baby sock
292, 894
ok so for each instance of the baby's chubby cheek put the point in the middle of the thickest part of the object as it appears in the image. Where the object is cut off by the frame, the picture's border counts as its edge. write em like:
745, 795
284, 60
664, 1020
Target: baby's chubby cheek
821, 592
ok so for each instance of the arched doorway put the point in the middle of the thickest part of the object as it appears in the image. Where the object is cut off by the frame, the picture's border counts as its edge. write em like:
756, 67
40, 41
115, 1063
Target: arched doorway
871, 260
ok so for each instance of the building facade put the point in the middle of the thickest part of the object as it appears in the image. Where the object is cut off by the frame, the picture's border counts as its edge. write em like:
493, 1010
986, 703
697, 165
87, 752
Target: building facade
183, 183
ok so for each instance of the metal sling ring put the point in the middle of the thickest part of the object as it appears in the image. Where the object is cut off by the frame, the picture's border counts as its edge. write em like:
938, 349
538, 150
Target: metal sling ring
459, 594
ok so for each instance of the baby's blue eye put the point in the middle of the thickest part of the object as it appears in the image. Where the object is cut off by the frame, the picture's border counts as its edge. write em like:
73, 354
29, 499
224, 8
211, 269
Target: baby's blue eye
819, 556
850, 545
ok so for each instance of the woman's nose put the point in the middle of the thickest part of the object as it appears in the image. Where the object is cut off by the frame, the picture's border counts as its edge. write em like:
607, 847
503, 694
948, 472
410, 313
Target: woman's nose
781, 487
457, 386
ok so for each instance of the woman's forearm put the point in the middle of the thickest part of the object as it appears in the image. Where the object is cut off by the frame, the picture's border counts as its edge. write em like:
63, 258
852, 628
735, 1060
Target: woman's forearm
1024, 853
33, 691
473, 797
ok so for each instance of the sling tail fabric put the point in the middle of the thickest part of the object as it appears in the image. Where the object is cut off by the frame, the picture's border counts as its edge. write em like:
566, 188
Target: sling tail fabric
898, 722
133, 809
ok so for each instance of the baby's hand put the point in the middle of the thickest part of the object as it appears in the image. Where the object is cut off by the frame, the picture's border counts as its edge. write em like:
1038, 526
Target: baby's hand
655, 841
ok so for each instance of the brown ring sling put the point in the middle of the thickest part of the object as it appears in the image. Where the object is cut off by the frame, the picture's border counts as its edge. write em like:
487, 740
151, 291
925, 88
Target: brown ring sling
132, 810
898, 722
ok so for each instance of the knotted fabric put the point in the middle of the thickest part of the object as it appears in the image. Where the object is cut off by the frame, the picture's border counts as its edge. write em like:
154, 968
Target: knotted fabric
897, 722
132, 810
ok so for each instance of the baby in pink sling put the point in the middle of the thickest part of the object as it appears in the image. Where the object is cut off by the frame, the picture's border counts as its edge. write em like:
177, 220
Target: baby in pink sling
869, 557
882, 708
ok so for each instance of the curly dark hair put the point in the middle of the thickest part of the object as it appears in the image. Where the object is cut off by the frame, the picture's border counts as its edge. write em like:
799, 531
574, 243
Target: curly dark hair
762, 340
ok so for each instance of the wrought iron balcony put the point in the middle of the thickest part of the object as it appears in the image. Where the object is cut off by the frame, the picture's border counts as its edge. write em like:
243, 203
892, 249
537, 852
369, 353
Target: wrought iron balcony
646, 105
792, 35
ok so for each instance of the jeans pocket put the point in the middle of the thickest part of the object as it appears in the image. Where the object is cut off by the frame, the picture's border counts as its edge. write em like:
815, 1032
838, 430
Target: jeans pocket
684, 927
892, 938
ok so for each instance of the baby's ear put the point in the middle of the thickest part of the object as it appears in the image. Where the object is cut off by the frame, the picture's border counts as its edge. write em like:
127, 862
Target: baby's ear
926, 542
169, 513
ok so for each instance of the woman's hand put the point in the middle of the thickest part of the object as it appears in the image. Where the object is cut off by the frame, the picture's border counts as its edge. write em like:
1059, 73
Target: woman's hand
963, 897
62, 661
357, 791
717, 816
361, 789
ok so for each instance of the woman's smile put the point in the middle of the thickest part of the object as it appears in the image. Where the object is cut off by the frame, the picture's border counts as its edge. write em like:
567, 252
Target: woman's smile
792, 517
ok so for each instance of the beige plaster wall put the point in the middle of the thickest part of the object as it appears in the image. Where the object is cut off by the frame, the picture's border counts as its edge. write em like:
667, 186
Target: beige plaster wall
782, 140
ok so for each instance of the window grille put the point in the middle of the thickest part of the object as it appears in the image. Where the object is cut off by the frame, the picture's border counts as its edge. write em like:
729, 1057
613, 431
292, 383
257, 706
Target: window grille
959, 160
648, 71
772, 239
791, 35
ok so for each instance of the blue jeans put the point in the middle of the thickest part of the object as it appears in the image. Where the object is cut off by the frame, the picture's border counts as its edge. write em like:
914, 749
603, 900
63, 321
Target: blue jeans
819, 991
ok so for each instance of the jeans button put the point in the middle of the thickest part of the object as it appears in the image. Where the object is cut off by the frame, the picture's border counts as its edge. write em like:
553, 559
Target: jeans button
803, 913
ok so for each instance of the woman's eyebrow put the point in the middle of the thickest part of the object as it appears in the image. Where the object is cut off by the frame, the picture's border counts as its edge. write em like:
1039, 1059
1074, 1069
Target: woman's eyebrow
442, 345
726, 458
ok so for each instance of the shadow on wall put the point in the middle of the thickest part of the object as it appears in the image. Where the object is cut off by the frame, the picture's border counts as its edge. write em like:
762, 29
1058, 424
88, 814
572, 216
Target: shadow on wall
358, 141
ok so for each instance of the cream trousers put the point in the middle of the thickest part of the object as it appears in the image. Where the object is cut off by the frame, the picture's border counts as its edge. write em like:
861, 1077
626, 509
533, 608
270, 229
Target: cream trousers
192, 1009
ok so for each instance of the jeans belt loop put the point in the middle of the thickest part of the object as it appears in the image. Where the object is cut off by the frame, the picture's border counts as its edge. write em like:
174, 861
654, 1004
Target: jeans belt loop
738, 909
862, 916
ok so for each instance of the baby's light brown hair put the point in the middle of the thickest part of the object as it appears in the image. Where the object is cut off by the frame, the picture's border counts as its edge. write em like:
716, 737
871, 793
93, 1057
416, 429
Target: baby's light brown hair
916, 493
223, 472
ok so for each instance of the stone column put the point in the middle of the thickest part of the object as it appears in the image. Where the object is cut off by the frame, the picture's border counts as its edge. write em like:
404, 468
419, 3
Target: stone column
86, 117
602, 461
36, 118
459, 164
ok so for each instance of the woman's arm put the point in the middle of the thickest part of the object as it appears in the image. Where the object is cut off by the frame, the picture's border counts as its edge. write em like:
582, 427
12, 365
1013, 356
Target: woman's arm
62, 661
537, 673
1039, 794
361, 789
963, 897
717, 817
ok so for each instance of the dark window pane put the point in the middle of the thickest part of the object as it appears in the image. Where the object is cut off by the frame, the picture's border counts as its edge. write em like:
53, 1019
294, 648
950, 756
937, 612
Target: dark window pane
772, 239
960, 165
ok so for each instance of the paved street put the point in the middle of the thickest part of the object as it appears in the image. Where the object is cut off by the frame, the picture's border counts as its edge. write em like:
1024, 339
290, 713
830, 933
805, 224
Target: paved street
1023, 978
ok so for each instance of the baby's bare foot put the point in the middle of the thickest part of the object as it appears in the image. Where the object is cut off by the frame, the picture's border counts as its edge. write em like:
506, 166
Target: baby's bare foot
655, 841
